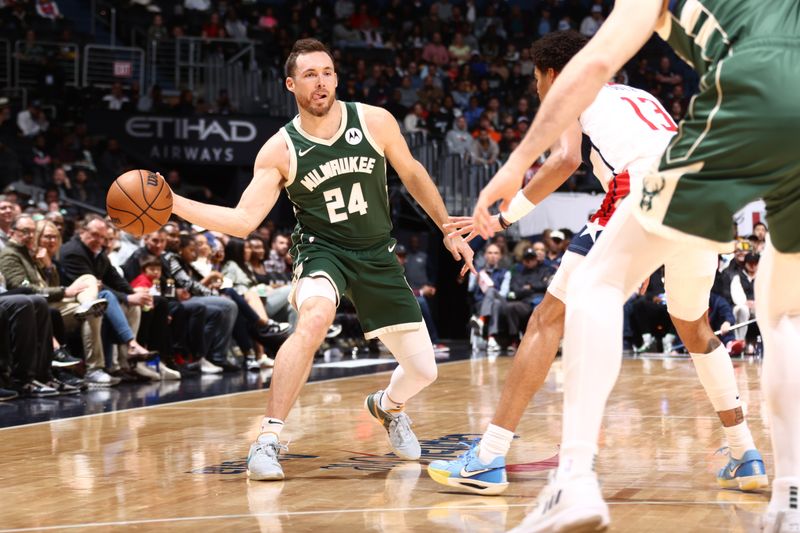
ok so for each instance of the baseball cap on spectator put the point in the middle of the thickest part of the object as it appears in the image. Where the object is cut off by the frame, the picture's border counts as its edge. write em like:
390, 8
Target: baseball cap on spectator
400, 250
557, 234
523, 118
528, 253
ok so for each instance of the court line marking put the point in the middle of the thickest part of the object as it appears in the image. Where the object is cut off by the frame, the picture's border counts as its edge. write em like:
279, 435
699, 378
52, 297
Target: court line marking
339, 511
436, 411
205, 398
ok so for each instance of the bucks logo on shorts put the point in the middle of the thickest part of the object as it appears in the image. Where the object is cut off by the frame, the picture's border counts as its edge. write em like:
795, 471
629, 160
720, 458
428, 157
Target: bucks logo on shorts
338, 186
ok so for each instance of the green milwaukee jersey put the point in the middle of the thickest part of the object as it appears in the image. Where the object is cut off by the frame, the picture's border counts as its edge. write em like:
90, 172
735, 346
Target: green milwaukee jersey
702, 32
338, 185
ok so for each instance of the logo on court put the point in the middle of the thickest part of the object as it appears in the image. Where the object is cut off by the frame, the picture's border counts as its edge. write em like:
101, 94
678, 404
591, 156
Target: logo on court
353, 136
651, 188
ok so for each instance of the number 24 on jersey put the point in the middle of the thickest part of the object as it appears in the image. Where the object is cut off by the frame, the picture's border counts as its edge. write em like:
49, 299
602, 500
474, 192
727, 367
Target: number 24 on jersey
334, 201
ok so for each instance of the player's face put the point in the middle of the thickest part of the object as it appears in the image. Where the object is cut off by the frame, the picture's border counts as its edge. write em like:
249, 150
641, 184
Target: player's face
314, 83
544, 80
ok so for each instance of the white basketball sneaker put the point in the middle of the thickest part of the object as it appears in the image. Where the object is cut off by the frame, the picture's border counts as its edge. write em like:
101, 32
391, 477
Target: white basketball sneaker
567, 505
262, 461
398, 425
783, 512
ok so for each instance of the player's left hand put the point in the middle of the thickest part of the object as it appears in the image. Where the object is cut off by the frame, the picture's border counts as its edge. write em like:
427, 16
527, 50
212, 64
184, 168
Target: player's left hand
460, 250
465, 227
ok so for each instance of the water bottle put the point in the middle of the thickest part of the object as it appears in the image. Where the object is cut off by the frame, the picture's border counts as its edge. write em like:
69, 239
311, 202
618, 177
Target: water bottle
169, 291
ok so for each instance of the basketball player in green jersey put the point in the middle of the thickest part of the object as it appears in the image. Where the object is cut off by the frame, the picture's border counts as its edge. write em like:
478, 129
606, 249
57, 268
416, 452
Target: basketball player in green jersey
331, 159
737, 143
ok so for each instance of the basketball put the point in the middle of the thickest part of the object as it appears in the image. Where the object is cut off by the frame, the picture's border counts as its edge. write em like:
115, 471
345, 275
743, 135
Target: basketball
139, 202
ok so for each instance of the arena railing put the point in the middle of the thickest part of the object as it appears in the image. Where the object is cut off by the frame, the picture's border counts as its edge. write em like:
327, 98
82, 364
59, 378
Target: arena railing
103, 65
29, 58
195, 57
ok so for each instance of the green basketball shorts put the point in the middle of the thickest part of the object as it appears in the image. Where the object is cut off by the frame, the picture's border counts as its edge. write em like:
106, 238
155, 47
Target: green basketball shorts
740, 141
372, 279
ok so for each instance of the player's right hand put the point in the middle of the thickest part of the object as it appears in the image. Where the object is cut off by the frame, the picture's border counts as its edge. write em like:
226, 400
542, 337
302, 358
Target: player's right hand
461, 226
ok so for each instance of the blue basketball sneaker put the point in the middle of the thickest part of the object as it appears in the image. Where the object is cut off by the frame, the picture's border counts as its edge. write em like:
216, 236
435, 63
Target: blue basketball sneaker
467, 472
747, 473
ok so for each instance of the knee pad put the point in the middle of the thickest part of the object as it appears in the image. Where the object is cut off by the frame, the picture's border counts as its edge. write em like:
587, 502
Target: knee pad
687, 282
414, 351
313, 286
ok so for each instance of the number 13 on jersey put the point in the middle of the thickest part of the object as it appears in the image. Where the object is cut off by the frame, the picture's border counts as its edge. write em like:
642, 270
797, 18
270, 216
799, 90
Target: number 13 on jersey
334, 201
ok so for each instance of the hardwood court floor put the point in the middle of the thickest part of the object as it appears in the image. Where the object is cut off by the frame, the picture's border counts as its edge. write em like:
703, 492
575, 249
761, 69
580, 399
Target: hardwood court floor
180, 467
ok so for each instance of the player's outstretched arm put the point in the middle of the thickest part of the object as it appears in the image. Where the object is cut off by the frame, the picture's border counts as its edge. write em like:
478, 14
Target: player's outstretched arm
256, 201
564, 159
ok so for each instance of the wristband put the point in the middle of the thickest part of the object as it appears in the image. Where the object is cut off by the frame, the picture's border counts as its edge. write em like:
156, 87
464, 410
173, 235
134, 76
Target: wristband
505, 224
517, 208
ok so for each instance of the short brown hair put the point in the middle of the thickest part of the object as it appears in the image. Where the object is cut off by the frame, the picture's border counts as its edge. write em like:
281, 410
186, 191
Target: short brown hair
149, 260
303, 46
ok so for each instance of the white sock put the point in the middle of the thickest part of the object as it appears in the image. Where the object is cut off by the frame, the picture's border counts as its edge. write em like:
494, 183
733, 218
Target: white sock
576, 459
739, 439
270, 427
715, 371
387, 404
785, 494
495, 443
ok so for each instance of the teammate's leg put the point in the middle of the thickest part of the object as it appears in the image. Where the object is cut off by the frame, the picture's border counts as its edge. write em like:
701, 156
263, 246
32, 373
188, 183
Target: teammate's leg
592, 354
316, 299
687, 280
528, 372
778, 309
417, 369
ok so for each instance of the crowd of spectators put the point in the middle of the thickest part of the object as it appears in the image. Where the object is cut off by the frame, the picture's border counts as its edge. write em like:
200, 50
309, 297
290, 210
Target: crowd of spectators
510, 284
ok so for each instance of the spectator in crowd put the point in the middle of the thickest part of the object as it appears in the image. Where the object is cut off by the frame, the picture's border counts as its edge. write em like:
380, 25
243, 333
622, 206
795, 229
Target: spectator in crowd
593, 21
459, 50
760, 234
554, 240
235, 28
27, 333
720, 317
722, 284
416, 120
743, 293
459, 140
529, 282
86, 190
667, 77
157, 31
213, 29
32, 120
197, 291
489, 289
7, 214
435, 52
279, 261
423, 291
84, 254
484, 149
116, 99
154, 244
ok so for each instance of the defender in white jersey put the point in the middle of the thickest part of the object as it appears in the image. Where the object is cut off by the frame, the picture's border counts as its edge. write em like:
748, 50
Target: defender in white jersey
619, 136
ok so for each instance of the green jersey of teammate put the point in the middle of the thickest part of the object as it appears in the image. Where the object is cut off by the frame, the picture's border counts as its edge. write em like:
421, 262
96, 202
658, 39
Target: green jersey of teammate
338, 186
702, 33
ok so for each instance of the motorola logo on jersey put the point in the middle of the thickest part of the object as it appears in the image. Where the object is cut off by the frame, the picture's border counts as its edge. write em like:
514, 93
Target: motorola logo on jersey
353, 136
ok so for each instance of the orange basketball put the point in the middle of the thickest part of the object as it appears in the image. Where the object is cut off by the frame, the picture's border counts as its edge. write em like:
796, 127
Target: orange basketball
139, 202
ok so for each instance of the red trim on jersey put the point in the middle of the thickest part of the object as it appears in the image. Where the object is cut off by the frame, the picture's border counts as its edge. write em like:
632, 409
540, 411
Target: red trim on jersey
618, 188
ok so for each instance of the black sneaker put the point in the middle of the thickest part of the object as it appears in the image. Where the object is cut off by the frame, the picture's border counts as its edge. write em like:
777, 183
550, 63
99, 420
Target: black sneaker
7, 394
71, 379
37, 389
62, 358
227, 366
63, 387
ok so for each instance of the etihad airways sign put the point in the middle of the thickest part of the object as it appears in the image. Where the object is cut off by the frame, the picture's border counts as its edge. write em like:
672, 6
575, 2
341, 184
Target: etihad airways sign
207, 139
